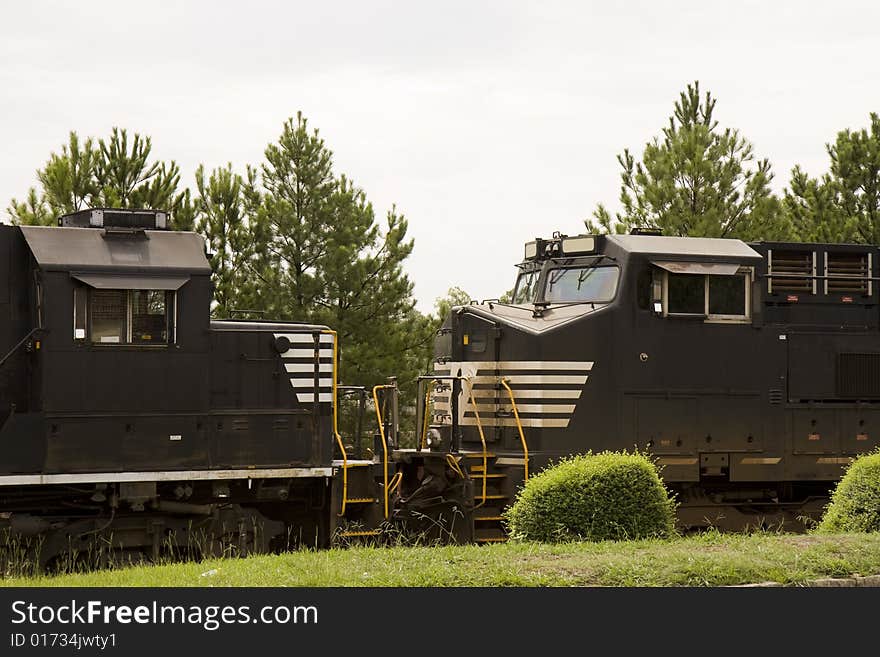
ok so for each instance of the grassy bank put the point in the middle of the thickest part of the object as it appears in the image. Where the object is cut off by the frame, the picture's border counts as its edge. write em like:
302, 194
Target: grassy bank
706, 560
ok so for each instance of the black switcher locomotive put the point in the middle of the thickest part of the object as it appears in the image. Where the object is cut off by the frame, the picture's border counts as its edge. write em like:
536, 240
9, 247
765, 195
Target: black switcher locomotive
130, 419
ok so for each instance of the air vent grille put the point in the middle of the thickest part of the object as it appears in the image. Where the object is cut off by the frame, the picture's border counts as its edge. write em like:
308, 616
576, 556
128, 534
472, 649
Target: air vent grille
858, 375
791, 271
848, 272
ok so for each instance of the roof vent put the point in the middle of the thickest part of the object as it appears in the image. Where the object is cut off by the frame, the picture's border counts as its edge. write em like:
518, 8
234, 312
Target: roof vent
116, 218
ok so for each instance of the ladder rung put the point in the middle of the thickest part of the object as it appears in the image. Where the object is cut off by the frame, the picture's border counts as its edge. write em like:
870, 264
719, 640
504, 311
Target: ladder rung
476, 455
361, 500
488, 475
489, 497
492, 539
488, 518
368, 532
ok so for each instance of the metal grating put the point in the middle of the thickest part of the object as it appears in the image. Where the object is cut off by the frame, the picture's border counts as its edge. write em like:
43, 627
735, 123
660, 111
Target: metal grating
791, 271
775, 396
858, 375
847, 272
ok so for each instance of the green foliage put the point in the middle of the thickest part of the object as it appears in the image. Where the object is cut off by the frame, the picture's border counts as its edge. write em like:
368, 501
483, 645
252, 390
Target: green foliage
844, 205
855, 502
698, 180
593, 497
114, 173
455, 296
222, 222
317, 253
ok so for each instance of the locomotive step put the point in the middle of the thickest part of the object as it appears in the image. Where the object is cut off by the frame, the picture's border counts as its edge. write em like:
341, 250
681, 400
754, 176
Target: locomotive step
488, 518
490, 475
366, 532
361, 500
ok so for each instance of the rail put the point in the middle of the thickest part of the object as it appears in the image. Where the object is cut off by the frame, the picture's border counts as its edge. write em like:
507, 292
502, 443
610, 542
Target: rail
335, 424
376, 390
522, 437
483, 442
19, 345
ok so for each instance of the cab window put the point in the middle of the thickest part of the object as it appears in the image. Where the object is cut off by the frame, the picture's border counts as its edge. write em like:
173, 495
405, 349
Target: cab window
714, 297
123, 317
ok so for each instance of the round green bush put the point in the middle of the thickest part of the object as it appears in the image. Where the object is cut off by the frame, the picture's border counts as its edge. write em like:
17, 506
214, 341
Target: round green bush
593, 497
855, 501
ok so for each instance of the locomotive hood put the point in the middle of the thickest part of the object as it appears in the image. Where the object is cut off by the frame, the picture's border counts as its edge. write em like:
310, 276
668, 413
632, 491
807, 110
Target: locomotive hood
149, 253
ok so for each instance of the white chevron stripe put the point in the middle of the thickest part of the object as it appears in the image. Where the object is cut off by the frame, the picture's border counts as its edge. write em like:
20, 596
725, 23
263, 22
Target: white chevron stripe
308, 367
539, 422
310, 397
523, 408
310, 383
546, 379
545, 365
294, 338
501, 395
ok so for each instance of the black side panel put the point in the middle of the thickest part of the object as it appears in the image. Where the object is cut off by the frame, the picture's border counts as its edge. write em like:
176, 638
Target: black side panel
14, 320
23, 443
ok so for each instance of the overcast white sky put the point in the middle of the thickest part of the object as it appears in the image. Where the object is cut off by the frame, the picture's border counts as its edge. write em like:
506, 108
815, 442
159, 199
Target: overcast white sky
487, 123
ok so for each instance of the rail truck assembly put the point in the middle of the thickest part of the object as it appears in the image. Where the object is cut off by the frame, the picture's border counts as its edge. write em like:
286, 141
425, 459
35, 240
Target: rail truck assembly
130, 418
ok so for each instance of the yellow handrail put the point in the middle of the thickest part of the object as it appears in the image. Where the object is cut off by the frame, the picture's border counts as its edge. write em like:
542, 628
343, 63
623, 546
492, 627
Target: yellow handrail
450, 459
335, 425
522, 437
395, 482
483, 441
384, 443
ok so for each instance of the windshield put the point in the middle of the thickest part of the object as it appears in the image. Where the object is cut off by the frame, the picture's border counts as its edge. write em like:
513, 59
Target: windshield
526, 286
581, 284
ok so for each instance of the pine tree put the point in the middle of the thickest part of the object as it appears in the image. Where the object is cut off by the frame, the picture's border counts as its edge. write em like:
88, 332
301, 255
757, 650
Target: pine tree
222, 222
844, 205
114, 173
320, 255
697, 180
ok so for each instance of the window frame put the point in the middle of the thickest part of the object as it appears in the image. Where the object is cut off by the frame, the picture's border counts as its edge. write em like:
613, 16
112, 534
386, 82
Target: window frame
551, 269
128, 323
747, 274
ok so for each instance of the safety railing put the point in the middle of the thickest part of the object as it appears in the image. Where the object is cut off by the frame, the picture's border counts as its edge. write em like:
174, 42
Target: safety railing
522, 436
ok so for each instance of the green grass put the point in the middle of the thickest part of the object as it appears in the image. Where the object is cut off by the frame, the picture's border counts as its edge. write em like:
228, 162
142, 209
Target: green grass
711, 559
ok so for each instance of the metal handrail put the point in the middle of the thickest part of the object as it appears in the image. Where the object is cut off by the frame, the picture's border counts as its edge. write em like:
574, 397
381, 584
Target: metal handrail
483, 441
384, 442
19, 345
335, 426
522, 437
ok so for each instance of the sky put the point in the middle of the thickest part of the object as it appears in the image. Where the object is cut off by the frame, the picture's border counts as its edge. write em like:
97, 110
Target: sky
486, 124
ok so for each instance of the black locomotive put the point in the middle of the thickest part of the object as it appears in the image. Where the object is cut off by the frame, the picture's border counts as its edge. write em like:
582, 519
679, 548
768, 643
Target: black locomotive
750, 371
130, 419
126, 414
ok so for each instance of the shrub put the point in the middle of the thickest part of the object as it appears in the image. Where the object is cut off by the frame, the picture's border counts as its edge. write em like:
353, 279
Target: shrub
855, 501
593, 497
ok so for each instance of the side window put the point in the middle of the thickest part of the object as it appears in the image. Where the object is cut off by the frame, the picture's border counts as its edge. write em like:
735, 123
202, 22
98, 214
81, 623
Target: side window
686, 294
149, 317
130, 317
717, 298
108, 314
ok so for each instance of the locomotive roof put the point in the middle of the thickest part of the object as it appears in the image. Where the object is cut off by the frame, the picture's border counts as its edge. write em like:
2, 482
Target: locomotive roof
686, 248
153, 251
